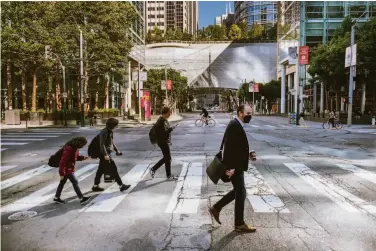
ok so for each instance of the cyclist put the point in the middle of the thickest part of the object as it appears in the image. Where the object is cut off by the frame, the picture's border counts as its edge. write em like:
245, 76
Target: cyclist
332, 117
205, 115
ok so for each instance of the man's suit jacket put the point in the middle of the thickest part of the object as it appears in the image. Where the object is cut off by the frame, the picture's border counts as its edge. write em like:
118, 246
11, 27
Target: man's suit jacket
236, 149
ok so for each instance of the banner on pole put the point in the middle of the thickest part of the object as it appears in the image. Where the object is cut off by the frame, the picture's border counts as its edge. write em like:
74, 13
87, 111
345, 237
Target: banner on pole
169, 84
253, 87
350, 50
293, 55
163, 85
146, 103
303, 54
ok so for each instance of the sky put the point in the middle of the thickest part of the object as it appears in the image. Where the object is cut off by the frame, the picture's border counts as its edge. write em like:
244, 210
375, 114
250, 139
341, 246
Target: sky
208, 10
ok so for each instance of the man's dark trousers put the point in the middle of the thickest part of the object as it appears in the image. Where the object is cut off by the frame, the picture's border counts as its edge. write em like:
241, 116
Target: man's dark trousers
239, 194
165, 160
107, 167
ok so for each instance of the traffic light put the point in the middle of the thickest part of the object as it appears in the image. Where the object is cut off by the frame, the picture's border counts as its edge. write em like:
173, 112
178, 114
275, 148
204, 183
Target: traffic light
48, 52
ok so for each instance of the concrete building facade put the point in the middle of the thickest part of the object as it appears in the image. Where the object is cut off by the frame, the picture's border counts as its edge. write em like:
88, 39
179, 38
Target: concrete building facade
260, 12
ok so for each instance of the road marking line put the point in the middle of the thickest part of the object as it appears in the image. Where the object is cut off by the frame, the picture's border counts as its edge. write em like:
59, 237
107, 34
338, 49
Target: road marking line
13, 143
5, 168
38, 197
256, 126
260, 194
344, 199
28, 136
186, 196
24, 176
6, 139
3, 149
367, 175
270, 126
111, 197
39, 133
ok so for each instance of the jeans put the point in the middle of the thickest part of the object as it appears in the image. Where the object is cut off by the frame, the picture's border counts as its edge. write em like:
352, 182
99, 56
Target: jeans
238, 194
74, 181
165, 160
107, 167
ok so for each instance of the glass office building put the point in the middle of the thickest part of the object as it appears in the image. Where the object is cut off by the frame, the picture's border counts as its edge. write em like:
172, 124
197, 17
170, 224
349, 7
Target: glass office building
260, 12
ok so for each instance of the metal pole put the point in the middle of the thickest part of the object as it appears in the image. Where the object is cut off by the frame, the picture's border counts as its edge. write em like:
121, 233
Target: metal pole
166, 85
82, 81
351, 80
253, 98
65, 98
139, 92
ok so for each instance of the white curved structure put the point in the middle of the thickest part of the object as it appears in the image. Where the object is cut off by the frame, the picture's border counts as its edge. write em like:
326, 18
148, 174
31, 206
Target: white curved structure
230, 63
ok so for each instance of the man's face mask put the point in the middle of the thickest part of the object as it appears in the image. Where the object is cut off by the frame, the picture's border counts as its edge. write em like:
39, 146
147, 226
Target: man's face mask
247, 118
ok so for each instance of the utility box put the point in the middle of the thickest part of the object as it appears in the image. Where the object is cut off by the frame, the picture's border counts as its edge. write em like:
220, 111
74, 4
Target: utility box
12, 117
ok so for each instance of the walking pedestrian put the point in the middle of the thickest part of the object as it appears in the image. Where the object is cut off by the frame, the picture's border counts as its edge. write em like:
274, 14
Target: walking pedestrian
163, 131
107, 165
67, 168
236, 155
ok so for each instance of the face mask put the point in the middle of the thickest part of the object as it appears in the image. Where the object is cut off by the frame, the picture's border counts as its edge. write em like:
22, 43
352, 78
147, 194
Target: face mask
247, 118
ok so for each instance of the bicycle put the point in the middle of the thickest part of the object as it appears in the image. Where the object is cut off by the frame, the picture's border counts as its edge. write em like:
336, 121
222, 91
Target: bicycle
202, 121
328, 125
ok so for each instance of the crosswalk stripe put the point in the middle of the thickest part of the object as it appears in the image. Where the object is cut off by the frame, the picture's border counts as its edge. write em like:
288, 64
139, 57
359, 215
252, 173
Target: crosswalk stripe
186, 196
256, 126
3, 149
24, 176
28, 139
39, 133
111, 197
29, 136
50, 130
340, 196
13, 143
5, 168
261, 195
270, 126
40, 196
367, 175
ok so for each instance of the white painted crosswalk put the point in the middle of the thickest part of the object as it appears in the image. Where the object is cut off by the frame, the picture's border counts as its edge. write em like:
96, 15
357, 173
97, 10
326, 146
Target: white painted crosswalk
263, 195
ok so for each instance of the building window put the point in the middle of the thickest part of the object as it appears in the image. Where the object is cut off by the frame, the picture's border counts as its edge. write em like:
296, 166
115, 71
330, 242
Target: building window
160, 16
357, 10
151, 24
151, 16
335, 12
151, 8
160, 8
160, 24
314, 11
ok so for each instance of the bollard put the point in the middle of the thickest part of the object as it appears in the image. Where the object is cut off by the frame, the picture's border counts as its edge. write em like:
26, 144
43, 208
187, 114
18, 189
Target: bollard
373, 120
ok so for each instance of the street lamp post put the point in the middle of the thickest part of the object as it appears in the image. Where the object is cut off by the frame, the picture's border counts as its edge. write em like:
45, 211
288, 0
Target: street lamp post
81, 82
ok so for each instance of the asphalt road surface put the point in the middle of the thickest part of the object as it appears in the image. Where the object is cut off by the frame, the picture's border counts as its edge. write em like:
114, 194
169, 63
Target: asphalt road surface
310, 189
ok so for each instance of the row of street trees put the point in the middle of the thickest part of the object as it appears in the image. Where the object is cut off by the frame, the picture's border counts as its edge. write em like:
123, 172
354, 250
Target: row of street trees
327, 61
237, 33
271, 91
28, 27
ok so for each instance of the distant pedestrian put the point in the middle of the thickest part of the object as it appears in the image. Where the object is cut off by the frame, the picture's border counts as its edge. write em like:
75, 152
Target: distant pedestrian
107, 165
67, 168
236, 156
163, 131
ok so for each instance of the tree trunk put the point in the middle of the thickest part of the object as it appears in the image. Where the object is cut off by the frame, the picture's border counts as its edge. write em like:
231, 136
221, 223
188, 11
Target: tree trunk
105, 105
78, 93
34, 94
57, 95
86, 96
97, 92
23, 90
9, 86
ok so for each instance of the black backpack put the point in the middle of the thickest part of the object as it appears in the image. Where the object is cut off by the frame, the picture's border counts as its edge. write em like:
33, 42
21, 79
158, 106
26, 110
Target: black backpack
54, 160
153, 135
93, 150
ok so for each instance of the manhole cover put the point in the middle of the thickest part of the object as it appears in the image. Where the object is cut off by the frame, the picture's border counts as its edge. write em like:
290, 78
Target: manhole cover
22, 215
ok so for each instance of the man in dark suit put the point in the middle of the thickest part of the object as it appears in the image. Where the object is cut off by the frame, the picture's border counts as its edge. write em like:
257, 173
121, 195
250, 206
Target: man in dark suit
236, 155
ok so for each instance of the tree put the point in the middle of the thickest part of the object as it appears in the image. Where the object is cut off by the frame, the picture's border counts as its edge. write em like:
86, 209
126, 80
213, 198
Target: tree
187, 36
154, 35
244, 29
256, 32
178, 34
170, 34
235, 33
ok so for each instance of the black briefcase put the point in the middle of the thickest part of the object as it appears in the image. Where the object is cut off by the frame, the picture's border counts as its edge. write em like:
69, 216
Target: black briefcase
216, 170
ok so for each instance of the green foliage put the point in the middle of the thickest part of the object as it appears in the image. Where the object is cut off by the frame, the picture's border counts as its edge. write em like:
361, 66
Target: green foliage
271, 91
235, 33
244, 29
256, 32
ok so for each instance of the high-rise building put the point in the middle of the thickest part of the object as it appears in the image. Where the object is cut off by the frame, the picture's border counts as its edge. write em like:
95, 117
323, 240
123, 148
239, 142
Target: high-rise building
260, 12
172, 14
225, 18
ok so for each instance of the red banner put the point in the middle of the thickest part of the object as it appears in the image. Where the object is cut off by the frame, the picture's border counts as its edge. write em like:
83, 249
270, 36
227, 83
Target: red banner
169, 84
303, 54
256, 87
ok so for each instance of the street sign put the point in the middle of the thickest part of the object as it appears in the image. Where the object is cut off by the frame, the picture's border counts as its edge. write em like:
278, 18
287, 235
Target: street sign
163, 84
350, 50
65, 95
303, 54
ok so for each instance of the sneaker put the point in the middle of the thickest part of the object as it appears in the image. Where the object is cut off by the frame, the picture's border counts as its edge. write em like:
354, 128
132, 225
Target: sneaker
124, 187
172, 177
84, 200
97, 189
152, 173
245, 228
59, 201
215, 213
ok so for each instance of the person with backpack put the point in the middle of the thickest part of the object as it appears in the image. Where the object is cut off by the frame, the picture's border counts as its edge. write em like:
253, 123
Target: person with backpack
163, 136
105, 145
69, 156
